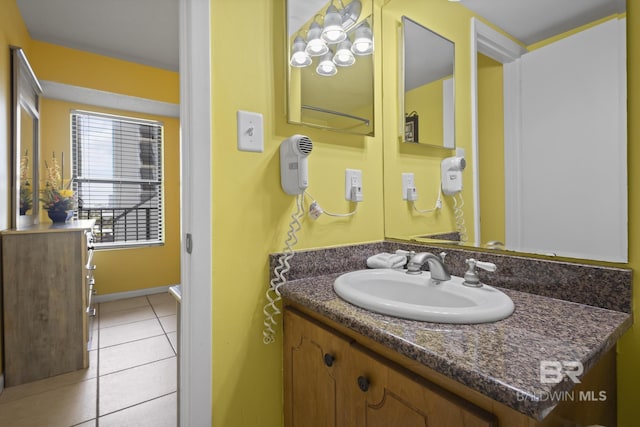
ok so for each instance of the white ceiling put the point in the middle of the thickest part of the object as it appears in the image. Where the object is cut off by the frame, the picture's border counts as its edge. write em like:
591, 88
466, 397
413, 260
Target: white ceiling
146, 31
533, 20
142, 31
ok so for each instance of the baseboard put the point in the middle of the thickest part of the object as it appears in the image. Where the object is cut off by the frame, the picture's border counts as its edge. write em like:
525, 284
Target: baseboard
130, 294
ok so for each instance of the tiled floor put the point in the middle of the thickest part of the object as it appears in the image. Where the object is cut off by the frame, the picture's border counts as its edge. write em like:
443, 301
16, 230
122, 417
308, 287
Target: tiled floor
131, 380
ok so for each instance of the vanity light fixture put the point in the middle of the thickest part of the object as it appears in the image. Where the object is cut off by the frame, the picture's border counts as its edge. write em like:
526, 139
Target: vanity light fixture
350, 14
326, 67
299, 57
344, 57
337, 21
333, 32
315, 45
363, 41
332, 29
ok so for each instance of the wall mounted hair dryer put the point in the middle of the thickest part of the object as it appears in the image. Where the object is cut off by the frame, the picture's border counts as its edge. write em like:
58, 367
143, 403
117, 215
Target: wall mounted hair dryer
294, 176
451, 174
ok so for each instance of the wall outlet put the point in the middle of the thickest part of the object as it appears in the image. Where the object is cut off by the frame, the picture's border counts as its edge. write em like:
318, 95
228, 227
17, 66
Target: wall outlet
353, 185
409, 191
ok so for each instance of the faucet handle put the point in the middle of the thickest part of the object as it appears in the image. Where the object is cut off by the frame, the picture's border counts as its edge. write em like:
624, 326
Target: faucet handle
487, 266
471, 278
442, 255
408, 254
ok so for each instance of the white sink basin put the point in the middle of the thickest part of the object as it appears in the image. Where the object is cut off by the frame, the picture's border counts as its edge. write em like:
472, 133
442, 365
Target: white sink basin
416, 297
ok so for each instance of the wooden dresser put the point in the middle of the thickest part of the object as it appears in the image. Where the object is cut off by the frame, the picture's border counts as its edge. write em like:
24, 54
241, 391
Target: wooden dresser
47, 287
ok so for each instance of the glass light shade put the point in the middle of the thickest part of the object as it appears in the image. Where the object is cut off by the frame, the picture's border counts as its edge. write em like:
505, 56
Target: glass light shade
315, 45
344, 57
363, 41
333, 31
299, 58
326, 67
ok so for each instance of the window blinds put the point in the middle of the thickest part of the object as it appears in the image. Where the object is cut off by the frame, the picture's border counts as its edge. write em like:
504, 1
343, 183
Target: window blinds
117, 175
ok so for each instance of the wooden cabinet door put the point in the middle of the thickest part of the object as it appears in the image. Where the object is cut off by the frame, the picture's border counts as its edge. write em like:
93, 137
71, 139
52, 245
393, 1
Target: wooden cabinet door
383, 394
314, 360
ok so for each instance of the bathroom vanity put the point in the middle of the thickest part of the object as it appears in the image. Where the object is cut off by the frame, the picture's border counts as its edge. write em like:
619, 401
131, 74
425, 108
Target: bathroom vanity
47, 287
344, 365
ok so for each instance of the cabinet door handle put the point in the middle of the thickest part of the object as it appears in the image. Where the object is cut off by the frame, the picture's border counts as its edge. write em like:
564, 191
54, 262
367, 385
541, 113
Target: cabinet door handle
363, 383
329, 359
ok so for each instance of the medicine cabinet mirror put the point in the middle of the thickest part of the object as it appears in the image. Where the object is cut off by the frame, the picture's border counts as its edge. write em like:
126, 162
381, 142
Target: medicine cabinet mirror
26, 93
427, 87
330, 50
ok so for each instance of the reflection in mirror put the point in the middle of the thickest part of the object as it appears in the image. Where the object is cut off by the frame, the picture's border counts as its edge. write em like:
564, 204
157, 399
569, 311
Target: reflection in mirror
330, 65
428, 66
25, 186
547, 173
26, 117
558, 130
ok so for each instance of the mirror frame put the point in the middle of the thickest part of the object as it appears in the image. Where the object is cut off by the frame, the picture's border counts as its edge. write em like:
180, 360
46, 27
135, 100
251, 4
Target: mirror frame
26, 92
410, 119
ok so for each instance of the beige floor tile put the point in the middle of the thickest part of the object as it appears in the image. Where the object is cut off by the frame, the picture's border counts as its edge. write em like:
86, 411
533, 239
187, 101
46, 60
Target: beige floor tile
65, 406
169, 323
136, 353
173, 339
93, 320
123, 304
122, 317
160, 412
161, 298
22, 391
166, 309
93, 340
130, 332
123, 389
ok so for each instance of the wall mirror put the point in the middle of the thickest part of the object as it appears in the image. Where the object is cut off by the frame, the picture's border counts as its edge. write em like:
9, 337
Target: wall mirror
26, 93
427, 86
330, 64
558, 197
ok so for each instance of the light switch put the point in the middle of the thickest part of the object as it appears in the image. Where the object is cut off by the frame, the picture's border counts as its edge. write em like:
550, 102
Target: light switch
250, 132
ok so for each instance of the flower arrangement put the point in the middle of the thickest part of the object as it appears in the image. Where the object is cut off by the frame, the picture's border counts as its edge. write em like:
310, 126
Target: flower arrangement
26, 192
55, 195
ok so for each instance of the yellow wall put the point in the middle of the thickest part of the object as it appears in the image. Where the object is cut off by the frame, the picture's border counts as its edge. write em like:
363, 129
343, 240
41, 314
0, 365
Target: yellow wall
251, 212
121, 270
491, 149
629, 346
12, 33
452, 22
74, 67
426, 101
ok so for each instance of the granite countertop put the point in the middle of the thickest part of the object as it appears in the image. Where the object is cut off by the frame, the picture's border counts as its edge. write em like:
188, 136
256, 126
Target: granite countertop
500, 360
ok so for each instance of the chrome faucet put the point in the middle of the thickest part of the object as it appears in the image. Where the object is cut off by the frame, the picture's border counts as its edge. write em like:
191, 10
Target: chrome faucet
437, 268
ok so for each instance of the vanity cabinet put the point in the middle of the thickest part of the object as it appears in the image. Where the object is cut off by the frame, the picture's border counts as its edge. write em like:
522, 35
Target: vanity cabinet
330, 380
47, 287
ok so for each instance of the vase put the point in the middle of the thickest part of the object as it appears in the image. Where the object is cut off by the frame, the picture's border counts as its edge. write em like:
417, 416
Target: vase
59, 216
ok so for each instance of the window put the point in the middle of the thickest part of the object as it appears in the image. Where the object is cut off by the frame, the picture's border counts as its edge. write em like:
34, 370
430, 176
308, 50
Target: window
117, 175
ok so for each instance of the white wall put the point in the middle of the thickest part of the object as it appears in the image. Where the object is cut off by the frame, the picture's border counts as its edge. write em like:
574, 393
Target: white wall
572, 188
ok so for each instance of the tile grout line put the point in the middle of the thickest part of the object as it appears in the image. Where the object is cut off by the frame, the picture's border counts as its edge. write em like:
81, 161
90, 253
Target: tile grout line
140, 403
98, 373
166, 334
